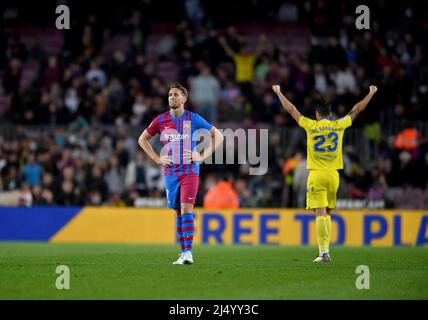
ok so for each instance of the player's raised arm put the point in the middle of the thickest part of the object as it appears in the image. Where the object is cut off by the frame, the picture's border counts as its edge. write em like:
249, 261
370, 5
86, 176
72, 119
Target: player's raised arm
286, 104
143, 142
360, 106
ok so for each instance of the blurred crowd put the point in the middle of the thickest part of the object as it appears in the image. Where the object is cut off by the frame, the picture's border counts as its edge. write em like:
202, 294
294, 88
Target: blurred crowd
228, 64
77, 167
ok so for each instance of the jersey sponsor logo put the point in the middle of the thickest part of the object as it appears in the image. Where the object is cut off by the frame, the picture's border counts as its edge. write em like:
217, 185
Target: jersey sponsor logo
176, 136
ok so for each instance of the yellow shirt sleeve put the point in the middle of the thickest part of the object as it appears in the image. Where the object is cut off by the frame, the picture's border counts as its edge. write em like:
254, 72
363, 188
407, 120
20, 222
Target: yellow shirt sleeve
344, 122
306, 123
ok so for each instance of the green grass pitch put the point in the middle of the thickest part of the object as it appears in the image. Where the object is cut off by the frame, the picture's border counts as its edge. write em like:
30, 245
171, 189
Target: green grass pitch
104, 271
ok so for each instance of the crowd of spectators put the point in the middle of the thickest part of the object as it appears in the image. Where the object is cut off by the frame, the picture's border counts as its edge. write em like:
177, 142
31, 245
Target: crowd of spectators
84, 91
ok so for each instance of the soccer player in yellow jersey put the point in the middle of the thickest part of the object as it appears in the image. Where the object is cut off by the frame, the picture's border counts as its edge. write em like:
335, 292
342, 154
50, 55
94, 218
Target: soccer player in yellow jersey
324, 144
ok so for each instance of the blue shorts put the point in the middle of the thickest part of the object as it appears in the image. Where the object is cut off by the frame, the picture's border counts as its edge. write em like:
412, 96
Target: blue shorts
181, 189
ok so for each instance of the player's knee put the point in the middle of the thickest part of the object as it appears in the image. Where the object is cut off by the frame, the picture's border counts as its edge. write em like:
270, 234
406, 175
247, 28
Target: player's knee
187, 207
177, 212
320, 212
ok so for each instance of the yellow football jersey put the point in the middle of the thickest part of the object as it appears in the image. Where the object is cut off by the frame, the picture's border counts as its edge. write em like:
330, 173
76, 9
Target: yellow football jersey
324, 139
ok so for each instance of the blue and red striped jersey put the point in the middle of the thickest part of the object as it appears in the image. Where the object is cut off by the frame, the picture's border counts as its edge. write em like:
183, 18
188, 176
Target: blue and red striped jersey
176, 134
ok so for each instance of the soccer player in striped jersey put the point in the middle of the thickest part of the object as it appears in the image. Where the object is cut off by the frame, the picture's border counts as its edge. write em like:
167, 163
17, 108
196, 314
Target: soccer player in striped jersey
324, 148
180, 161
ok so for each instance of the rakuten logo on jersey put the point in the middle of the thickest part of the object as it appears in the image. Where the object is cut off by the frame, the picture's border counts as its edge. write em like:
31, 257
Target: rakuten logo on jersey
175, 136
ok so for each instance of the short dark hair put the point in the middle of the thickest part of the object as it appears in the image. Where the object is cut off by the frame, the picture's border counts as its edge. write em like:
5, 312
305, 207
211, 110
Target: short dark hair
178, 86
323, 108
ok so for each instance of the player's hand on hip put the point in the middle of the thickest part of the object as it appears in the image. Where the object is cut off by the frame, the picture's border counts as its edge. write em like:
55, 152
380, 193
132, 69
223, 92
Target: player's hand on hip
165, 160
373, 89
196, 157
276, 88
192, 156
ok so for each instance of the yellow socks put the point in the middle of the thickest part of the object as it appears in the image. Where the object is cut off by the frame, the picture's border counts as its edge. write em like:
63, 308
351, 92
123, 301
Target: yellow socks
322, 233
328, 224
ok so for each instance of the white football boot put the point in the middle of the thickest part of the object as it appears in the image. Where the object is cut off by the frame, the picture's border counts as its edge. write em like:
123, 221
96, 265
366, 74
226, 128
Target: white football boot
325, 257
180, 259
187, 257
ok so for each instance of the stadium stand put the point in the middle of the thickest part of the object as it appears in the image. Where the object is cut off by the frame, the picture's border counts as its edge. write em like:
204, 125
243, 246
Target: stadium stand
72, 103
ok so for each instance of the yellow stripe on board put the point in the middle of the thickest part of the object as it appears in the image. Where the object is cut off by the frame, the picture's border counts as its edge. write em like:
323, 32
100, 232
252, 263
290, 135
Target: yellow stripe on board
247, 226
111, 225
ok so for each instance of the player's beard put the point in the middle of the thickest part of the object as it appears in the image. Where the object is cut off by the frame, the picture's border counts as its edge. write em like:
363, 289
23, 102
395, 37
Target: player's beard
174, 105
